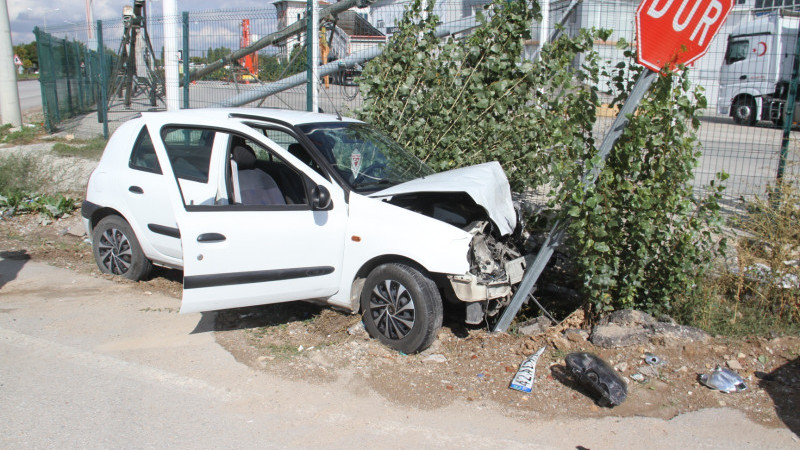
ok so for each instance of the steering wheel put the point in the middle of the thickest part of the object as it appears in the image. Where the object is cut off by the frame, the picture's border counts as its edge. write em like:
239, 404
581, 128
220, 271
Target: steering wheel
371, 172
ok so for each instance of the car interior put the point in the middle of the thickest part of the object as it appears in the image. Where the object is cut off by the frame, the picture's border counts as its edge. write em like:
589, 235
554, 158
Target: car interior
258, 177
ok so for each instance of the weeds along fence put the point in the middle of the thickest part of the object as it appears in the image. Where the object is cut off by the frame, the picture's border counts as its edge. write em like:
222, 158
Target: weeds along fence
749, 149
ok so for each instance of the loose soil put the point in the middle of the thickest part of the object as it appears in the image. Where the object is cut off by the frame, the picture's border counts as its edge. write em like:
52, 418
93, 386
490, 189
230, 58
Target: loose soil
321, 345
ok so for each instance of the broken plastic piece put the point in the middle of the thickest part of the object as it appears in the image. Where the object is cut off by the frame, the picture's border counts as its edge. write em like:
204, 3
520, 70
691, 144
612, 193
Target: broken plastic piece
652, 359
723, 379
597, 376
523, 380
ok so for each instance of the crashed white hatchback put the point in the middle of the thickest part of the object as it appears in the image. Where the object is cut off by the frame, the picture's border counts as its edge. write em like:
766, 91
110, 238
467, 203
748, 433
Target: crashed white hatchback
261, 206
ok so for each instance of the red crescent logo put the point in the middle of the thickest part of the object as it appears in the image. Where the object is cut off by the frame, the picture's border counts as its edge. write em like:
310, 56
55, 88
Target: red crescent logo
763, 49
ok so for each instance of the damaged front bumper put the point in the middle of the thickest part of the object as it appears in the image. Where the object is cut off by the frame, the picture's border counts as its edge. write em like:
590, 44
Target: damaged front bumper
473, 288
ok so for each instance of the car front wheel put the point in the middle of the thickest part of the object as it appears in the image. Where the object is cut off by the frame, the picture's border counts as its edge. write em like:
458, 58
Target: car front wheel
402, 307
117, 251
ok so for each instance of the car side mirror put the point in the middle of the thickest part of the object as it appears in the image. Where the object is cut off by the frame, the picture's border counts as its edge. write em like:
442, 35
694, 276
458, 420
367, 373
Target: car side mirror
321, 199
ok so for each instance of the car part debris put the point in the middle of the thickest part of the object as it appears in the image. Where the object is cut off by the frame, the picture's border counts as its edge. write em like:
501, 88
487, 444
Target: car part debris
652, 359
597, 376
724, 380
523, 380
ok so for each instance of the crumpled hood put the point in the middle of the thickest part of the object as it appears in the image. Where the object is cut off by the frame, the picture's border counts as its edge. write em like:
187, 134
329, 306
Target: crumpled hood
485, 183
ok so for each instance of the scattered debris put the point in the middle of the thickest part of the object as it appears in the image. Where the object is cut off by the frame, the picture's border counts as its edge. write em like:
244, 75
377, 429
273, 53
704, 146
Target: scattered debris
621, 367
652, 359
357, 330
723, 379
596, 375
437, 358
734, 364
630, 327
576, 335
523, 380
638, 377
535, 327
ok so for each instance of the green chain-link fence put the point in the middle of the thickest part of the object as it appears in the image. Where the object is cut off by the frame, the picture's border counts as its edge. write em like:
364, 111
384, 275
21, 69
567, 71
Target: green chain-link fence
70, 77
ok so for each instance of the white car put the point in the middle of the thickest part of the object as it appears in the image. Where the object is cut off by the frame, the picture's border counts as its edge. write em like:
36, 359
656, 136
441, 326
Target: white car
261, 206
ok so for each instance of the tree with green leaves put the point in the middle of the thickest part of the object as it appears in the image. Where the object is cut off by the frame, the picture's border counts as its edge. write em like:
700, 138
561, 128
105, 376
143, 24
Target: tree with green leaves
640, 237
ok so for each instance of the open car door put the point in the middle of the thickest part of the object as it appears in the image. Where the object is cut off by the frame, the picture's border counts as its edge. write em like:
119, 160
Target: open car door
237, 254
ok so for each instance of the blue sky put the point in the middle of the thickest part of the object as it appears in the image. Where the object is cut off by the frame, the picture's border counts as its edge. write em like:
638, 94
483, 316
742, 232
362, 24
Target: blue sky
59, 14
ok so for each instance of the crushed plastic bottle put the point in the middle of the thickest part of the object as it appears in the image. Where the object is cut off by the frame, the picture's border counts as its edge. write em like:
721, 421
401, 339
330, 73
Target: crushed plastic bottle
598, 377
523, 380
723, 379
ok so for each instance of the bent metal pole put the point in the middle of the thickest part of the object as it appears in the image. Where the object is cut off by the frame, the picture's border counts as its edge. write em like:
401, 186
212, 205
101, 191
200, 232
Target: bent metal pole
267, 89
295, 28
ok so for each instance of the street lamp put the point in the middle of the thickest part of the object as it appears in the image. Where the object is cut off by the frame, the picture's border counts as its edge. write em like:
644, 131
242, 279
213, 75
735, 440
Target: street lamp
44, 15
74, 28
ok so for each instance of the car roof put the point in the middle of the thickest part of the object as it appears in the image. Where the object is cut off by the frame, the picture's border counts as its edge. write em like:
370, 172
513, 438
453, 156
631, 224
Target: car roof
220, 115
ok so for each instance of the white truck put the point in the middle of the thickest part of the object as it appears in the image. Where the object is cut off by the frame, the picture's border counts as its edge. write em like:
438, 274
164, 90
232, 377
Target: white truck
755, 75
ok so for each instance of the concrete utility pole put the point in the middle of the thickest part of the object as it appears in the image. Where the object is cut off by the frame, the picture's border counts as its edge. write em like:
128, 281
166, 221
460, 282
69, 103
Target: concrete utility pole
171, 21
312, 47
9, 95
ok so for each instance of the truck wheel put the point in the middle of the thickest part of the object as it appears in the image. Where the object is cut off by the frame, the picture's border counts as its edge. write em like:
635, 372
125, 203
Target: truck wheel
402, 307
744, 111
117, 251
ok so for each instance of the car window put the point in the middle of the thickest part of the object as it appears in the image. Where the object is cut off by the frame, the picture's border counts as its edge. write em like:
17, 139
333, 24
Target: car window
265, 180
737, 51
293, 146
189, 151
143, 156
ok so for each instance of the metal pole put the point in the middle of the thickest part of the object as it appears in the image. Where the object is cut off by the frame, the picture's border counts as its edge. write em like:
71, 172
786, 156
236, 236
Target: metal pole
312, 51
291, 30
275, 87
185, 60
67, 77
9, 95
544, 25
101, 54
171, 79
789, 116
532, 274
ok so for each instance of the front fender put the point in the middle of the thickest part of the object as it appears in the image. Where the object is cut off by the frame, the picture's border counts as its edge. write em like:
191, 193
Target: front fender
376, 228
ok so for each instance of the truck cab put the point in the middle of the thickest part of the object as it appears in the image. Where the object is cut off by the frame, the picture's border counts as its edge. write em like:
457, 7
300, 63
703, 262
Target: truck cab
757, 69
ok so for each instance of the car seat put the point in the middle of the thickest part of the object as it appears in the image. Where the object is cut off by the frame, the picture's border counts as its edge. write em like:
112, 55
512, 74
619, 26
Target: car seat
252, 186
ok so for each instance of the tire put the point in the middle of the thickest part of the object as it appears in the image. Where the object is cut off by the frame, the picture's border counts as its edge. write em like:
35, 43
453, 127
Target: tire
401, 307
117, 251
744, 111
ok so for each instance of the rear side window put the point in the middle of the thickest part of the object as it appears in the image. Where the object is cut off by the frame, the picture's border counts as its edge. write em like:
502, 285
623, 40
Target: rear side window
143, 156
189, 151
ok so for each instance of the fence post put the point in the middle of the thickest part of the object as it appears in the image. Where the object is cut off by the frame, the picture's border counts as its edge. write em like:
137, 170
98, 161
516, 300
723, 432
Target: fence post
103, 107
52, 63
185, 60
48, 124
76, 46
788, 118
67, 77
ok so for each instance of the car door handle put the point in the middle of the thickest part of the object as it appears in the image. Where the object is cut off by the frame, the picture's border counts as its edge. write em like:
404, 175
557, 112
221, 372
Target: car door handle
743, 77
136, 190
211, 237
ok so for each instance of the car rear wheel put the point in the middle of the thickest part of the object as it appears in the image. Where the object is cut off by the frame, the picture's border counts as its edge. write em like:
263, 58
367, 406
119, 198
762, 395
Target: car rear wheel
402, 307
117, 251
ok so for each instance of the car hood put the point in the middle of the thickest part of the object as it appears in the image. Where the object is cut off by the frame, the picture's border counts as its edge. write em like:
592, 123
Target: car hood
485, 183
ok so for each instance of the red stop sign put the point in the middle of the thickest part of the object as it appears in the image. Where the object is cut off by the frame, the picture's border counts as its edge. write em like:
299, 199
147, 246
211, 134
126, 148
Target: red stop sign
677, 31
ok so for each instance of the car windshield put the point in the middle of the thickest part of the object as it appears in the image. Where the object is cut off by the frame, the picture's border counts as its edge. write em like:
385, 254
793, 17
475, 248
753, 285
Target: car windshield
364, 157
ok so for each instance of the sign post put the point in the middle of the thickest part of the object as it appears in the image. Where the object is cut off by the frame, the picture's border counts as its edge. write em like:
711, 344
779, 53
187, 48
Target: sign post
668, 33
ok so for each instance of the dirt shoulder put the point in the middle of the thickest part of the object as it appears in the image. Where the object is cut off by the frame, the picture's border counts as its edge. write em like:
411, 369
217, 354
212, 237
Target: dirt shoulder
312, 343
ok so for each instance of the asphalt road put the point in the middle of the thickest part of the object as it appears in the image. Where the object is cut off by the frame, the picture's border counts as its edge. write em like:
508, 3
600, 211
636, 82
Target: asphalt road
91, 363
30, 95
